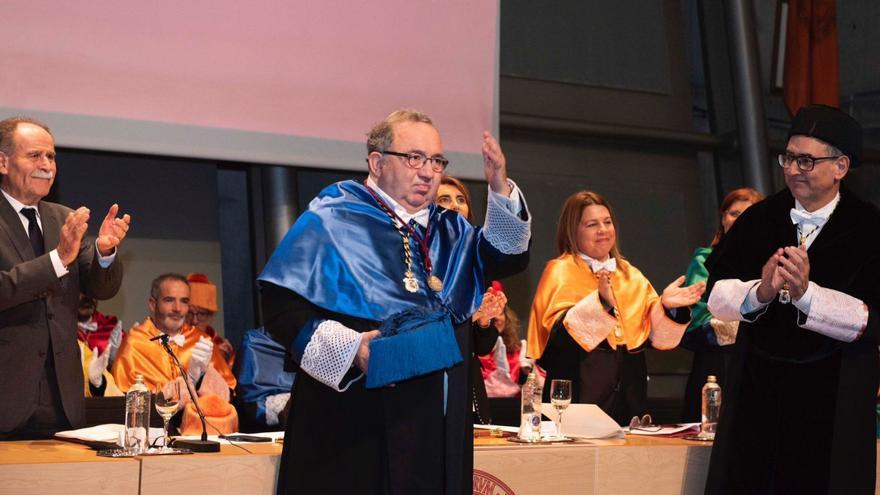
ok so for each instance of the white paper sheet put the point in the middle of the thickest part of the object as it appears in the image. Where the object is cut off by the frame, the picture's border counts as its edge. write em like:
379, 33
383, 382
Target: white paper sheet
585, 421
102, 433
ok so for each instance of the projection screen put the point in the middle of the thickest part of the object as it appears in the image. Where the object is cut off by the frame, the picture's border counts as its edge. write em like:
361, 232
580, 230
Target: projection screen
276, 82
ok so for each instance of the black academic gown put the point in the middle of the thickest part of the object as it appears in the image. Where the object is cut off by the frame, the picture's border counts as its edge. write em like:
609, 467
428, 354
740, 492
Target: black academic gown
798, 412
398, 440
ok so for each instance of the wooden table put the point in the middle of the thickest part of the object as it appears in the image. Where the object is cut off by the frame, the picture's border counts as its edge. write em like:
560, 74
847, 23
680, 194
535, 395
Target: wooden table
50, 467
232, 471
635, 465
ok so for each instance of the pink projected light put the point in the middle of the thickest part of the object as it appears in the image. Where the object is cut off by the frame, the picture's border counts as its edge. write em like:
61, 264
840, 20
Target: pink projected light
324, 70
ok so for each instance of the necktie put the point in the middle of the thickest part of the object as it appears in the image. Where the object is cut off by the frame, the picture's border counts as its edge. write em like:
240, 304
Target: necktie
178, 339
34, 232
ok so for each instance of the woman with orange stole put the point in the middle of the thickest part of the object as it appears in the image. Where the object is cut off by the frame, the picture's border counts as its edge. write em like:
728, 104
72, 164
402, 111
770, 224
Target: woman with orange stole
594, 313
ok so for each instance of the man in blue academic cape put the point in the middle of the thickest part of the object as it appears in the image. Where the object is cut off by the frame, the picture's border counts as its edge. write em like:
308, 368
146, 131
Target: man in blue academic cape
379, 255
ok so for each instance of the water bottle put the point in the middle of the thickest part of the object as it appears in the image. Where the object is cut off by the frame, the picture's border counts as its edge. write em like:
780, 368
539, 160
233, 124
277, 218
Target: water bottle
711, 407
530, 422
137, 417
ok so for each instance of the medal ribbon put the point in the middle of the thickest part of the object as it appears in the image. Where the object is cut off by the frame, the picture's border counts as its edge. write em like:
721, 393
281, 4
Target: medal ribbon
422, 242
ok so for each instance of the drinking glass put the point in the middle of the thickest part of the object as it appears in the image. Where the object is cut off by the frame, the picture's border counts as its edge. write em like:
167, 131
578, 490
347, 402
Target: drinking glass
167, 401
560, 398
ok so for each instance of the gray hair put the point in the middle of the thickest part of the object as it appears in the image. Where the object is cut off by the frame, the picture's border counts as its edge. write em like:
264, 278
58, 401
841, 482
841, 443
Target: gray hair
7, 132
382, 134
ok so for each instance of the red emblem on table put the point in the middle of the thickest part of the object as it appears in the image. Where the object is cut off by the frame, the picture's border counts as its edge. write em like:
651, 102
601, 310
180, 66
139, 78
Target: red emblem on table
486, 484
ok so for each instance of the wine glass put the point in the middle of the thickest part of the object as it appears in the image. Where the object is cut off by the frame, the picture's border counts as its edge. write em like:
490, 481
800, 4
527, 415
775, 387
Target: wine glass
167, 400
560, 398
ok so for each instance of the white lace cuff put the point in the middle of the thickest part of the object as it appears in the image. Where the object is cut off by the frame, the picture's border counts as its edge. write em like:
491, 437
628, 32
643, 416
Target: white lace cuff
665, 333
504, 229
588, 323
727, 298
330, 352
836, 315
274, 405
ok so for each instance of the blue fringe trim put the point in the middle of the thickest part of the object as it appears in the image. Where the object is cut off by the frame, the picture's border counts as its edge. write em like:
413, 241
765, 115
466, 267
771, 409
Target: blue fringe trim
414, 342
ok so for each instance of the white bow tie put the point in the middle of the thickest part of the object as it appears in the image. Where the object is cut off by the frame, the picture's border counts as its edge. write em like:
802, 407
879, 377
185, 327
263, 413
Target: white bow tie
806, 218
89, 326
178, 339
597, 266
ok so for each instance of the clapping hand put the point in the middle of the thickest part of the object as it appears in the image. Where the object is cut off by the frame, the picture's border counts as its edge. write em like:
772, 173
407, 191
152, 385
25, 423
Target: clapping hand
113, 230
771, 279
605, 290
114, 342
794, 268
492, 307
676, 296
75, 226
200, 358
97, 366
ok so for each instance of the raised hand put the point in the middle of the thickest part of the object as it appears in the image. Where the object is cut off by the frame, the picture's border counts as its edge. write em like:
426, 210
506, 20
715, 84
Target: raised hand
771, 279
113, 230
200, 358
75, 226
676, 296
495, 165
795, 270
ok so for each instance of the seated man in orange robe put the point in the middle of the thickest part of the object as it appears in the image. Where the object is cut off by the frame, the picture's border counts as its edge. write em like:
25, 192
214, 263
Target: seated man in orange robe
205, 366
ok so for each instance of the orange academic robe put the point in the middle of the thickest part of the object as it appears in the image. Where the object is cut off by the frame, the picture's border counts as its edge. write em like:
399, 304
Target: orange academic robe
138, 354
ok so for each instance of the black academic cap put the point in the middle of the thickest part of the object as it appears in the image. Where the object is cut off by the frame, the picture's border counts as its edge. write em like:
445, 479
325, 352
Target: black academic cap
831, 125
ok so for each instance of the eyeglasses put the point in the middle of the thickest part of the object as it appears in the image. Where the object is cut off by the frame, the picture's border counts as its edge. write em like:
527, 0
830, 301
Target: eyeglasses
644, 424
805, 163
417, 160
200, 314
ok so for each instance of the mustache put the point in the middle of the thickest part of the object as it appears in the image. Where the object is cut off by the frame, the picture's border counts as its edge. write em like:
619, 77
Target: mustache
42, 174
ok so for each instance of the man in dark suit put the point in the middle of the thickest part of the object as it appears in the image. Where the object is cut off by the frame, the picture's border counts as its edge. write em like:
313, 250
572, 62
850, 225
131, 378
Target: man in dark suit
44, 265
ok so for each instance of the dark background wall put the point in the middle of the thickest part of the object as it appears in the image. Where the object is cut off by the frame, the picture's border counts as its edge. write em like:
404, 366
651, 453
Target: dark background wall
632, 99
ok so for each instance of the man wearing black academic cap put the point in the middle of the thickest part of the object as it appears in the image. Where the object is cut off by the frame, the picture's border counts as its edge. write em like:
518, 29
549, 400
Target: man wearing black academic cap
801, 271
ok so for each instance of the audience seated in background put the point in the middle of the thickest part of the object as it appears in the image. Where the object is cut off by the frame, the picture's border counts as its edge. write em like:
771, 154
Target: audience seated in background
263, 382
97, 330
204, 364
202, 306
506, 368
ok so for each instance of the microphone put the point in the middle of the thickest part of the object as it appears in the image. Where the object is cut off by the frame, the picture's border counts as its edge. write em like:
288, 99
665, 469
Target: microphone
203, 445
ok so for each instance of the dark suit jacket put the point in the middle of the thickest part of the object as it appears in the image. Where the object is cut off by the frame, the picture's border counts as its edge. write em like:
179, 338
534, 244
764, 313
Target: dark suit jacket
38, 308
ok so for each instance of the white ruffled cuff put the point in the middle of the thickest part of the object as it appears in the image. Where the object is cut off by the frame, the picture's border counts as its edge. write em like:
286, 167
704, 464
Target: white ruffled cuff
274, 405
330, 353
588, 322
727, 298
504, 229
836, 315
